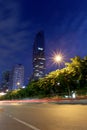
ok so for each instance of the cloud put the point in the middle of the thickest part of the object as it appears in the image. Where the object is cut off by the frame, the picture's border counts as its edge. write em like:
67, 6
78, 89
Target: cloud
14, 34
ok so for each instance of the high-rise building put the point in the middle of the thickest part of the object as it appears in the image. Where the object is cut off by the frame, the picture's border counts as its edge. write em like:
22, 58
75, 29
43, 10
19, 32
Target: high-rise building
17, 77
5, 81
38, 56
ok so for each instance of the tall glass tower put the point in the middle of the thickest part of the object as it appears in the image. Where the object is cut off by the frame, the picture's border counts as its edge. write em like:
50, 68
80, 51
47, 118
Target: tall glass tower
38, 56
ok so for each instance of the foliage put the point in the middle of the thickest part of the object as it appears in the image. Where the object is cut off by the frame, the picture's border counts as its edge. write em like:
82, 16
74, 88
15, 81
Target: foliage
60, 82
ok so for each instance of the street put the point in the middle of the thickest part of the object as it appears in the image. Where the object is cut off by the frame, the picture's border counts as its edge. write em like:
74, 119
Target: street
42, 116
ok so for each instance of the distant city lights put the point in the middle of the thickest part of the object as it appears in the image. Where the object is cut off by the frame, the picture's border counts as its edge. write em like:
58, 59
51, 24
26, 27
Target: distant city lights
2, 93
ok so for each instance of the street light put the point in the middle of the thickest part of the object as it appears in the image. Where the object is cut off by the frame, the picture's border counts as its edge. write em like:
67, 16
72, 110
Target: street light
58, 58
18, 84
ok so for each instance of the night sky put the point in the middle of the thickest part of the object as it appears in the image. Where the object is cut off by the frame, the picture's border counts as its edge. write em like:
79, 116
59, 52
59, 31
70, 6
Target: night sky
64, 23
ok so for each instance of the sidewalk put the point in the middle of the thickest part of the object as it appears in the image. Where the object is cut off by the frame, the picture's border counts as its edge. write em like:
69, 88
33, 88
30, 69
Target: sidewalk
72, 101
48, 100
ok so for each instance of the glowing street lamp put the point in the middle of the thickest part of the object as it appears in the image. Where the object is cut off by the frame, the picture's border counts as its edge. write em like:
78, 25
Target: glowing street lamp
58, 58
18, 84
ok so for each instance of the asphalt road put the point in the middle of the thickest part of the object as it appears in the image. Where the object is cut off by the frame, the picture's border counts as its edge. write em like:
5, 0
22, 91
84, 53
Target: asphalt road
43, 117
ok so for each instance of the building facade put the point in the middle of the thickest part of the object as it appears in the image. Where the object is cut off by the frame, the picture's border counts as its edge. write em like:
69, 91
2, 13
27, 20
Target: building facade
5, 81
17, 77
38, 56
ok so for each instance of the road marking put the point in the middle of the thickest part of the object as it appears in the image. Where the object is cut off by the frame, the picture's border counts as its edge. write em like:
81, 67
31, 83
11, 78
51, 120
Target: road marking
29, 125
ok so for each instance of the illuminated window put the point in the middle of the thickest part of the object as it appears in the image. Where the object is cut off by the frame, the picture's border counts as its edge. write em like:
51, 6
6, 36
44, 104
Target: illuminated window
36, 65
37, 74
41, 72
41, 62
39, 48
40, 66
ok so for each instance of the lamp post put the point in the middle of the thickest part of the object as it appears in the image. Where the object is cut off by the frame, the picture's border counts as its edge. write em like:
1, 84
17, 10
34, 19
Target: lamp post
58, 59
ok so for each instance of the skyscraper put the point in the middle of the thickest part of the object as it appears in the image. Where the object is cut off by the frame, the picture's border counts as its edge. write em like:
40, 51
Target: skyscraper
38, 56
17, 77
5, 81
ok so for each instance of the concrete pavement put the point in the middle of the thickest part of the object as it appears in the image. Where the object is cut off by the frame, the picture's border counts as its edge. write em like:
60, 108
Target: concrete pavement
42, 117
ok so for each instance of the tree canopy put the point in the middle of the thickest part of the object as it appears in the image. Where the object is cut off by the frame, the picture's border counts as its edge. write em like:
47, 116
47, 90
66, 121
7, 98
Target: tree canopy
73, 77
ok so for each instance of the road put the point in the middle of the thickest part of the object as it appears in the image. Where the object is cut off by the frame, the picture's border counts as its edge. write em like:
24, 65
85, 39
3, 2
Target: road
18, 116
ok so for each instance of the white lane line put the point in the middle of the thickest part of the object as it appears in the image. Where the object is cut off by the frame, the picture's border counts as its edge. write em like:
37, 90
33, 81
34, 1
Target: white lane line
26, 124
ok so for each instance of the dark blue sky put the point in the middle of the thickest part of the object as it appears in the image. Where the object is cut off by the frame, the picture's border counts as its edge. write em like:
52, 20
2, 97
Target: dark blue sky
64, 23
